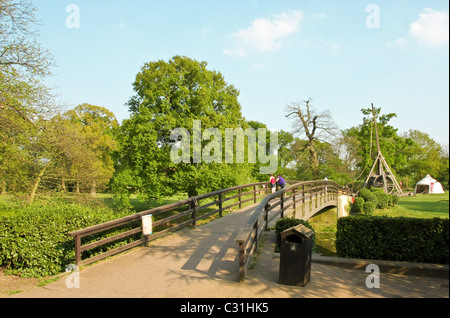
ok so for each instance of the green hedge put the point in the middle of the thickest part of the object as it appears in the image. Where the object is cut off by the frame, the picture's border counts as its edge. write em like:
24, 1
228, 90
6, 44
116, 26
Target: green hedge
286, 223
358, 205
34, 240
394, 239
375, 198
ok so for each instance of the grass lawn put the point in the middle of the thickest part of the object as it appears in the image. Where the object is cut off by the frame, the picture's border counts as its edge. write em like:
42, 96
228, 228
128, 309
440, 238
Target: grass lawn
420, 206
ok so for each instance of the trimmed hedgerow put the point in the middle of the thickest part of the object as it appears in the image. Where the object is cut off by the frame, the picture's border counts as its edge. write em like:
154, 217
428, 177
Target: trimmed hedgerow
368, 200
394, 239
34, 240
369, 207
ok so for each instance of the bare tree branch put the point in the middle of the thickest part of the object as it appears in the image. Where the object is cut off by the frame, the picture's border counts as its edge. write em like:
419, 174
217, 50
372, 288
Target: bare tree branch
316, 127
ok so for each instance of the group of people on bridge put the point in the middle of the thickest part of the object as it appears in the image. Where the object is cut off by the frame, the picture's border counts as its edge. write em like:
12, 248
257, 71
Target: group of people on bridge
279, 180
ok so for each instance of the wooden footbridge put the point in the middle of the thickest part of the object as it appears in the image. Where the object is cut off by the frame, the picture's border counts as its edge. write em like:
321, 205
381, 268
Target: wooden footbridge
299, 199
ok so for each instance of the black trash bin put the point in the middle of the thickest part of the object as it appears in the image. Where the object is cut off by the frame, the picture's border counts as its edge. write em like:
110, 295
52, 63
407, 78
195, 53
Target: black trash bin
295, 256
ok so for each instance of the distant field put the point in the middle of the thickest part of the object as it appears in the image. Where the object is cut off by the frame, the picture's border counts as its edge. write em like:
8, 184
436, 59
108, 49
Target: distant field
420, 206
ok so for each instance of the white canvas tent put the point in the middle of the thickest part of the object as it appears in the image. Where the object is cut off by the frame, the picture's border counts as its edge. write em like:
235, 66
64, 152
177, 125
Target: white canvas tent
428, 185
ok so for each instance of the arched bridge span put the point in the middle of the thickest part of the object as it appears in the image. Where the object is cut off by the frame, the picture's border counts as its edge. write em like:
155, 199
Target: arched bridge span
300, 199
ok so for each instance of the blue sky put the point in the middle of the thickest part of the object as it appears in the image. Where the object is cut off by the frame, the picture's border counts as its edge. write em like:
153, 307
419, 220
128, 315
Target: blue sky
344, 55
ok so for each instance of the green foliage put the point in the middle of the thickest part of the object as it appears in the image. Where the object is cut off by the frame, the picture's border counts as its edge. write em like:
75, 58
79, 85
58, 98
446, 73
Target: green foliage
410, 156
395, 200
367, 195
394, 239
392, 145
286, 223
358, 206
369, 207
171, 95
24, 99
375, 198
425, 156
89, 161
34, 240
382, 199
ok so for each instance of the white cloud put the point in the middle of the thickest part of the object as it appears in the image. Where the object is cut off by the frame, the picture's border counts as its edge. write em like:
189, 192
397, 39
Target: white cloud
431, 29
400, 42
264, 34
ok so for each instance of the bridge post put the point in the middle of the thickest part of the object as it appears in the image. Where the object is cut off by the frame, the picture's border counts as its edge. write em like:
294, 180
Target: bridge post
282, 205
78, 250
241, 261
256, 239
240, 198
254, 193
303, 200
293, 198
266, 217
303, 193
194, 216
220, 204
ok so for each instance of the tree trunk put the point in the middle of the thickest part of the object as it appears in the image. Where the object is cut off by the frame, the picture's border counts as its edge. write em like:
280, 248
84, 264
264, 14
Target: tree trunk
314, 161
36, 183
93, 193
63, 185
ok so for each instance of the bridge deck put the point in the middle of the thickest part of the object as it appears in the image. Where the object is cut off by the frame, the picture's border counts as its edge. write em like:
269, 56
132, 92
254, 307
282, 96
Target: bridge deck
202, 262
176, 261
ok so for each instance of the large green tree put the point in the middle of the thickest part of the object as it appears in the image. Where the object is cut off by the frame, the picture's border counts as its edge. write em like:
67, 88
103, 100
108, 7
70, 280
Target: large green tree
361, 146
180, 93
91, 159
25, 102
424, 157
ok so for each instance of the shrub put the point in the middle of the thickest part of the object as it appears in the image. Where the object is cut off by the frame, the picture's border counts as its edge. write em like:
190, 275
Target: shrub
375, 198
34, 240
358, 206
367, 195
382, 198
395, 200
369, 207
286, 223
394, 239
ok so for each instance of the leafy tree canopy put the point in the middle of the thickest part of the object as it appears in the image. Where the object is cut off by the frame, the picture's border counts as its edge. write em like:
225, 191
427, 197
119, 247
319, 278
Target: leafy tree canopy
170, 95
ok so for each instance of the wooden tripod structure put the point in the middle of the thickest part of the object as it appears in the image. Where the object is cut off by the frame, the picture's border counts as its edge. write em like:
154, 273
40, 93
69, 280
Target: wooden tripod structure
381, 176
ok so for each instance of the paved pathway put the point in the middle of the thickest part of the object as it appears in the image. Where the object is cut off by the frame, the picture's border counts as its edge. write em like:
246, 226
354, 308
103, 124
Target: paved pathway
202, 263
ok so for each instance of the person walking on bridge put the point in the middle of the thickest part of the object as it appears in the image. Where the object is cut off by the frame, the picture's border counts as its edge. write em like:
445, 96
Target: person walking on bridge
273, 184
281, 181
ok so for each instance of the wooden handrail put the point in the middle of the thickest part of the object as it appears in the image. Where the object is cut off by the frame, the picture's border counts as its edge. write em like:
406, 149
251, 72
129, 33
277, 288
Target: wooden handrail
191, 210
192, 207
249, 235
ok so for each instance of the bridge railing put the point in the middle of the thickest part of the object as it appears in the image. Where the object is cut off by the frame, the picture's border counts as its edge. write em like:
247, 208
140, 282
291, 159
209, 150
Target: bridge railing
300, 193
100, 241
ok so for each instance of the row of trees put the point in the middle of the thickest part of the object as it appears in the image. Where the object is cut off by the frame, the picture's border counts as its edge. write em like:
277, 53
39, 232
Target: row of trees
347, 156
41, 145
46, 148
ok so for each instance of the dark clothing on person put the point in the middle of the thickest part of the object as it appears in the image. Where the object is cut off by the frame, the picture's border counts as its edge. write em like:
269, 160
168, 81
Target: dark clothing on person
281, 182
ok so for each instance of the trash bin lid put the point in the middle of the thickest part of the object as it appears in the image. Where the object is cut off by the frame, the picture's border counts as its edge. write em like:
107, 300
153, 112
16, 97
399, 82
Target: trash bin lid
298, 230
